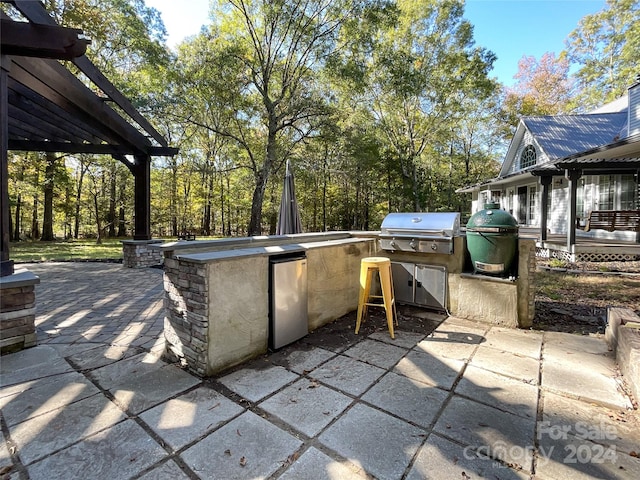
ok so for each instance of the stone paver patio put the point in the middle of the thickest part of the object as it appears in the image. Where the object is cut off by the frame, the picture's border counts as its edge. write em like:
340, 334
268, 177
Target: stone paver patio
95, 399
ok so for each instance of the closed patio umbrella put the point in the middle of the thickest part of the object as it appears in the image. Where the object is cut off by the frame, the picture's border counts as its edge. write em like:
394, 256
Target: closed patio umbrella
289, 216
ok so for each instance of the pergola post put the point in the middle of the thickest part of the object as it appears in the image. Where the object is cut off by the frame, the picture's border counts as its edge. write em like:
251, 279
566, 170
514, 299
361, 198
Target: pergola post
142, 197
6, 265
545, 181
573, 176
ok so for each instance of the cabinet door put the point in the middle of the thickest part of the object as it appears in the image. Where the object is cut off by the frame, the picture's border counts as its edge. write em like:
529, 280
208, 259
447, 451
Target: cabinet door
431, 286
403, 284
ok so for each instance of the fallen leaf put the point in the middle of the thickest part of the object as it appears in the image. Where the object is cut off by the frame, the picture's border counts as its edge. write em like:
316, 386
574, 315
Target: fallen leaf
243, 461
290, 459
313, 384
227, 452
238, 432
6, 469
633, 453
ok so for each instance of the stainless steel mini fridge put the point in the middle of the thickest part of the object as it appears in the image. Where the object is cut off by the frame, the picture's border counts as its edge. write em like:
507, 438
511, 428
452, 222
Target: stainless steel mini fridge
287, 299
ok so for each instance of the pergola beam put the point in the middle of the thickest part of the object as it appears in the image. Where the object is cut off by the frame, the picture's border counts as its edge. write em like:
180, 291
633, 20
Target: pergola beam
65, 90
34, 12
98, 149
42, 41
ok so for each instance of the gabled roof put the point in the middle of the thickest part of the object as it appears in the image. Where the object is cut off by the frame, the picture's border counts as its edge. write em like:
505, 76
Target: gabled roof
560, 136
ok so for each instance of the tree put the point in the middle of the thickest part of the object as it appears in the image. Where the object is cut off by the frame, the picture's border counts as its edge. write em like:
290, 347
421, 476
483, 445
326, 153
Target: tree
421, 71
275, 49
543, 86
606, 46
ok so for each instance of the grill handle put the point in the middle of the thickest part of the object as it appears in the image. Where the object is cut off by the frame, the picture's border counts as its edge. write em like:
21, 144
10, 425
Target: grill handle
492, 229
407, 233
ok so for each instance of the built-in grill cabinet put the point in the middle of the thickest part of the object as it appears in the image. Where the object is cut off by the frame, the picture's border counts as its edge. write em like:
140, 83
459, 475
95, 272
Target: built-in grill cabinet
419, 284
417, 237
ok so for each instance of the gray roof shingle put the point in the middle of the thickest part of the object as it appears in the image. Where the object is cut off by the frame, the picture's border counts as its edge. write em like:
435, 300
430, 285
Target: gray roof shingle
562, 135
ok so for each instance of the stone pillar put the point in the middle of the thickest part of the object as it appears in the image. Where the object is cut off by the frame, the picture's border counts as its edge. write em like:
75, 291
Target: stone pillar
526, 282
17, 311
186, 322
140, 253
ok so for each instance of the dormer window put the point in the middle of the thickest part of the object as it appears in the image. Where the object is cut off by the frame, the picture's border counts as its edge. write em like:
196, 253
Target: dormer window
528, 157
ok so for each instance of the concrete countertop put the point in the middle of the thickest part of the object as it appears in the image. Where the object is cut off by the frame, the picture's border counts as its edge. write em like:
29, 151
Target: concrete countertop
269, 250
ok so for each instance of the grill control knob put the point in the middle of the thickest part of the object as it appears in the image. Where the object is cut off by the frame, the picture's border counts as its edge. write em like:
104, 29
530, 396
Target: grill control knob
392, 243
434, 247
413, 244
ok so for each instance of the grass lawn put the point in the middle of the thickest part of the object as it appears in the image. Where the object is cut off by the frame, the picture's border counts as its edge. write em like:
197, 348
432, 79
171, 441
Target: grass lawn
68, 250
65, 250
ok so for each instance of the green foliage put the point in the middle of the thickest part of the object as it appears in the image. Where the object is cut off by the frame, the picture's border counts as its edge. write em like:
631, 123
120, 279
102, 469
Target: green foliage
380, 105
606, 47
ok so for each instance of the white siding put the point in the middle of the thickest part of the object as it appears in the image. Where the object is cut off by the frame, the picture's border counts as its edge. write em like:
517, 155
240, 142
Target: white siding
557, 221
527, 139
634, 110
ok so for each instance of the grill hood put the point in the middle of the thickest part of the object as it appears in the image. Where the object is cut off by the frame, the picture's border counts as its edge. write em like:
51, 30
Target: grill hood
420, 232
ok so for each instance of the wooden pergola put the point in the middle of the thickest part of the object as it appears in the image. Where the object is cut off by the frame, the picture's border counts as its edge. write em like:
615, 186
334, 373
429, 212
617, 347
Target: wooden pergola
44, 107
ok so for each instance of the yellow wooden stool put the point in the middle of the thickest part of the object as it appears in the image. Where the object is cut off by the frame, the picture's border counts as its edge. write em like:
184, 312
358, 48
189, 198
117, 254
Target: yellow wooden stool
368, 266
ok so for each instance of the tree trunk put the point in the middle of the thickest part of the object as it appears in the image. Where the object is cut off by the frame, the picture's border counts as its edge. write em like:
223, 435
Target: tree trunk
228, 209
98, 221
122, 227
47, 218
173, 195
76, 226
16, 231
112, 202
261, 177
35, 228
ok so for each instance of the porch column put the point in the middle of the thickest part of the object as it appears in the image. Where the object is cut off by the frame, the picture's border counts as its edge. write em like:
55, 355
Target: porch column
545, 182
572, 176
6, 265
142, 209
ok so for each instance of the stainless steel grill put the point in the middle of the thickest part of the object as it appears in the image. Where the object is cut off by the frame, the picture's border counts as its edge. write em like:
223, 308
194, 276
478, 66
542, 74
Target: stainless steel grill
420, 232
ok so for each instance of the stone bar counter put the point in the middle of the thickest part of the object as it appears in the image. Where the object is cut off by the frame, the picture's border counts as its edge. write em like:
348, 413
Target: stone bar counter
217, 292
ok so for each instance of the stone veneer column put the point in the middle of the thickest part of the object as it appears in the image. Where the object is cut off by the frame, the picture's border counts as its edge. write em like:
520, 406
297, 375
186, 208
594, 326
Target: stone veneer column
526, 282
186, 321
140, 253
18, 311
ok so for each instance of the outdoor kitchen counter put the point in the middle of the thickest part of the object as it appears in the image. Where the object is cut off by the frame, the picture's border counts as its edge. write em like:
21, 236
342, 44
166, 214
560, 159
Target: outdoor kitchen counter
217, 302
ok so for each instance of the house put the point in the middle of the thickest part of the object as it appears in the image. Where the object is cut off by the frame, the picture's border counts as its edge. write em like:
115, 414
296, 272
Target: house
572, 180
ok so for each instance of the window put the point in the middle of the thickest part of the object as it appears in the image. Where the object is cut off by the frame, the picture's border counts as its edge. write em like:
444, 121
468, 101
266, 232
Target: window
628, 192
528, 156
533, 205
617, 192
580, 203
606, 192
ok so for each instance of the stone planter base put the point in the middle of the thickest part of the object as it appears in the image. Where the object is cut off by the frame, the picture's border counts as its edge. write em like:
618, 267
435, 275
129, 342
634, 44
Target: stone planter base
140, 253
623, 336
17, 311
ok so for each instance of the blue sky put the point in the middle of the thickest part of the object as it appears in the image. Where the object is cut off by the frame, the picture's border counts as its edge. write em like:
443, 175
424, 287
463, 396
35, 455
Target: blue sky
509, 28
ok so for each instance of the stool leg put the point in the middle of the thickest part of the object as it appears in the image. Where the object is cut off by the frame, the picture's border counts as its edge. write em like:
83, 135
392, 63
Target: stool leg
388, 298
393, 295
365, 285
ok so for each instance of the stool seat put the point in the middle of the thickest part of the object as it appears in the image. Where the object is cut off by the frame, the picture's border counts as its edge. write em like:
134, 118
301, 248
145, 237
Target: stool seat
369, 266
